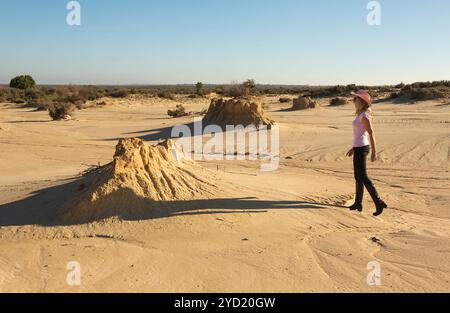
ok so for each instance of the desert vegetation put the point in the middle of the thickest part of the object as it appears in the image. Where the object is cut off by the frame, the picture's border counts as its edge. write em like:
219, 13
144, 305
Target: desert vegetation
166, 95
61, 111
424, 91
59, 101
24, 91
179, 111
236, 90
199, 89
338, 101
284, 100
22, 82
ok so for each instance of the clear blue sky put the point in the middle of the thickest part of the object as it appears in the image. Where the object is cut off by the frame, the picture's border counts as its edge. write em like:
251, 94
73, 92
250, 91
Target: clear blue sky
217, 41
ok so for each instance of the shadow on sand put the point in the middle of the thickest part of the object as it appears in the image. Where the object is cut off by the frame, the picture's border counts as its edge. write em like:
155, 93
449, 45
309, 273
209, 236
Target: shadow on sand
43, 207
288, 110
154, 134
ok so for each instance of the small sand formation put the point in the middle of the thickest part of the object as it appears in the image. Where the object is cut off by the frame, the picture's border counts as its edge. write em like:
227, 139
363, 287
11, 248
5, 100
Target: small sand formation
244, 112
141, 180
302, 103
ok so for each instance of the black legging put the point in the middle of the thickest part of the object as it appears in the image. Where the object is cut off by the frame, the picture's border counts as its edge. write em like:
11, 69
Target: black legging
359, 166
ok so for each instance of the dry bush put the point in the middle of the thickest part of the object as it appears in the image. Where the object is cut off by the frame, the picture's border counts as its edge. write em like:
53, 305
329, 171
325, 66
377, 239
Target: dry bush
12, 95
284, 100
60, 111
179, 111
120, 93
4, 94
409, 93
166, 95
393, 95
338, 101
235, 90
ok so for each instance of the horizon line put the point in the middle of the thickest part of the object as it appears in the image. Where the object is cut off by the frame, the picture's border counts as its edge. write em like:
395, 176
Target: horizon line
6, 84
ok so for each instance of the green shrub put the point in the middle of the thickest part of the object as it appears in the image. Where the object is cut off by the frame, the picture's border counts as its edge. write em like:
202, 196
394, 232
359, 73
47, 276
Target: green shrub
22, 82
199, 88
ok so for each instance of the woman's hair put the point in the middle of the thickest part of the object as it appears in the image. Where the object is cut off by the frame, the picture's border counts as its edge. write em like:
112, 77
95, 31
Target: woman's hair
363, 106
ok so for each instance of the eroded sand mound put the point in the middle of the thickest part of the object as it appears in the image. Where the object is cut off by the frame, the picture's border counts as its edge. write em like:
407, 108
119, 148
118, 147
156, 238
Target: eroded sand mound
302, 103
141, 180
244, 112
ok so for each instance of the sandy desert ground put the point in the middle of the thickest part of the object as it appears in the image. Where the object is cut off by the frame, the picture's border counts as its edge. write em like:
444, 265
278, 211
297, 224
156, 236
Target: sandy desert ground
281, 231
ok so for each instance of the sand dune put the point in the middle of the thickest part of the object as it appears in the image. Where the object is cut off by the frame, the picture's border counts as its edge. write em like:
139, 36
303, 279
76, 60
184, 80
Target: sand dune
277, 231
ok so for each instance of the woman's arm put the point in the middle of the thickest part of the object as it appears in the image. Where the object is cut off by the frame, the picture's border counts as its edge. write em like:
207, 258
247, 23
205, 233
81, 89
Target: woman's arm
368, 124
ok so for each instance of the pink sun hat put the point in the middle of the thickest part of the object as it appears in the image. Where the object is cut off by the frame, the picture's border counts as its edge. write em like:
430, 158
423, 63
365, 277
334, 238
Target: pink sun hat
364, 95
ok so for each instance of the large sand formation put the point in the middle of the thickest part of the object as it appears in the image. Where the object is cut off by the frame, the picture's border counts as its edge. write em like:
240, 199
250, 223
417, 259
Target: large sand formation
141, 180
244, 112
302, 103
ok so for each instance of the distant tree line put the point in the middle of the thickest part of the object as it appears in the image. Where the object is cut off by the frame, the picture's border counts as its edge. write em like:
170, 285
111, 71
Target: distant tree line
23, 90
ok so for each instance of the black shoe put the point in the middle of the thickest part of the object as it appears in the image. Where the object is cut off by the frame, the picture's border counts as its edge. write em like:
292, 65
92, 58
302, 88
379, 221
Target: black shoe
380, 208
356, 207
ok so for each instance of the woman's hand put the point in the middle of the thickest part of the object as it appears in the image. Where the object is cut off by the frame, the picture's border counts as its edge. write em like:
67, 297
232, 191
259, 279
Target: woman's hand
374, 157
350, 153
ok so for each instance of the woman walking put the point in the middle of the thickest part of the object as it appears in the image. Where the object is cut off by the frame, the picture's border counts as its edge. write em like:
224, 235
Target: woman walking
363, 141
